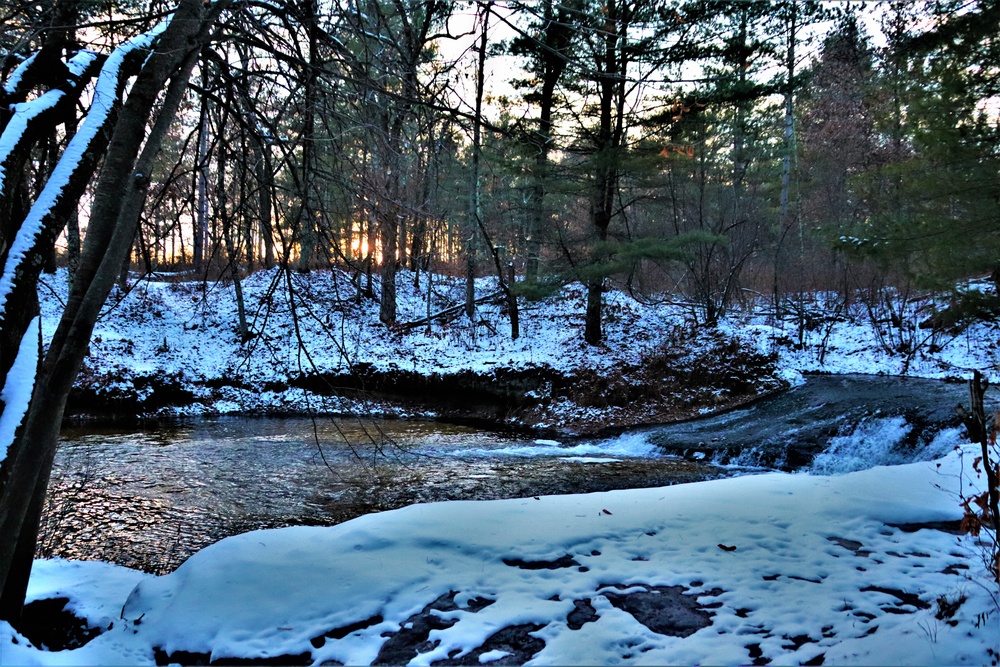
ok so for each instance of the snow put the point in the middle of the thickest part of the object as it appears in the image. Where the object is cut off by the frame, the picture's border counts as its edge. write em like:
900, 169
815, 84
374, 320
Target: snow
14, 80
189, 336
78, 64
189, 333
269, 593
631, 445
791, 567
20, 382
22, 114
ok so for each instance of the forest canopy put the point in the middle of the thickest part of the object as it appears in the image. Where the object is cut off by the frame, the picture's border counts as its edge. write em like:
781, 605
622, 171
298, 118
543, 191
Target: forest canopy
702, 148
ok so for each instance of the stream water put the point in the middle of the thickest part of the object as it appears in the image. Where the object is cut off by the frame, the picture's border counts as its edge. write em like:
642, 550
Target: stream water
150, 497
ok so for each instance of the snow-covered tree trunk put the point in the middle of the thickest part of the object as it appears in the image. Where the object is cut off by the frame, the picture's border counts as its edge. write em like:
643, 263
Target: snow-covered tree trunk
168, 52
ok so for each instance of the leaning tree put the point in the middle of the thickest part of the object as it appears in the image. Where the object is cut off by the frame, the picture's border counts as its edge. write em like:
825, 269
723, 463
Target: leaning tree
134, 93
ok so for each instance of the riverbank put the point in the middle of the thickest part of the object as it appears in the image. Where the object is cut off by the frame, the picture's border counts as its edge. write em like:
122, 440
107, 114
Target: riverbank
661, 387
771, 568
845, 568
315, 345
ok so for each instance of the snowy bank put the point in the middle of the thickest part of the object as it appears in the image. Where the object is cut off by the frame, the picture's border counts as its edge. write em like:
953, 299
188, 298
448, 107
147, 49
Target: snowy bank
856, 568
167, 347
779, 568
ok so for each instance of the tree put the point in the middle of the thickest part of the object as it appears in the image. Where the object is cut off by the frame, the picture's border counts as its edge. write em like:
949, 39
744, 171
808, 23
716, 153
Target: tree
166, 53
733, 137
837, 138
474, 211
792, 260
931, 197
547, 47
625, 45
388, 48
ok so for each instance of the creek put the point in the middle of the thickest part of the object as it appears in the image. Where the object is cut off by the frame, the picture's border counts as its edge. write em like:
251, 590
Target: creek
148, 497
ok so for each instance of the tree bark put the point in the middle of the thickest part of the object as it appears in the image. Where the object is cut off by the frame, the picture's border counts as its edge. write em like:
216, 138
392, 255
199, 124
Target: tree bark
389, 232
201, 219
474, 185
975, 424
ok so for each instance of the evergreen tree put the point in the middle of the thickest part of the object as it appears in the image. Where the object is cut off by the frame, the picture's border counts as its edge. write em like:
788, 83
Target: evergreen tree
932, 199
627, 45
837, 138
547, 47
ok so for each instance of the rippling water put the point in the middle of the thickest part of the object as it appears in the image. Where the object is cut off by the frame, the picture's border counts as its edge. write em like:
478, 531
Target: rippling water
149, 498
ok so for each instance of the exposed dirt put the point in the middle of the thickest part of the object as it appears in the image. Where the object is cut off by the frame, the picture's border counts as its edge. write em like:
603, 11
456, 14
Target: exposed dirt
49, 625
667, 610
677, 383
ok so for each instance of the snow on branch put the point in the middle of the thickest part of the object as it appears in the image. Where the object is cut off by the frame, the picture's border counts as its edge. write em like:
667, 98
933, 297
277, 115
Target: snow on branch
14, 80
26, 112
16, 392
17, 128
105, 98
79, 63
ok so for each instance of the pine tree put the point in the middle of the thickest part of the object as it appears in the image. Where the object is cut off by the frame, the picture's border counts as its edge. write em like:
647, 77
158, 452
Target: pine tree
547, 47
932, 198
626, 45
837, 139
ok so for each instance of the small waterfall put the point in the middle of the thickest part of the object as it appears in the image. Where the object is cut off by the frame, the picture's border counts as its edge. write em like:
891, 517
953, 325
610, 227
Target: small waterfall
881, 441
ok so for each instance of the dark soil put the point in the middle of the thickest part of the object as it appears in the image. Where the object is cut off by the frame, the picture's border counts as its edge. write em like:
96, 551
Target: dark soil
47, 624
677, 383
665, 610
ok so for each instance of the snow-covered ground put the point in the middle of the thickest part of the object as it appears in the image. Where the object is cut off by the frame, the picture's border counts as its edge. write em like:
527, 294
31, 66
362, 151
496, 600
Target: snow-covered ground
187, 334
786, 568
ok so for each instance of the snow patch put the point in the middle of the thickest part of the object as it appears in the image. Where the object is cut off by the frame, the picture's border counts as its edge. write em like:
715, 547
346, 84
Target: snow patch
784, 573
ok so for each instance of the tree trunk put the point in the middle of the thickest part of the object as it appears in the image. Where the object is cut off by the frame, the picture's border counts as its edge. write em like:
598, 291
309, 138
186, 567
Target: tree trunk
308, 233
229, 237
474, 185
18, 303
979, 432
72, 244
601, 213
201, 221
264, 176
605, 182
118, 198
389, 232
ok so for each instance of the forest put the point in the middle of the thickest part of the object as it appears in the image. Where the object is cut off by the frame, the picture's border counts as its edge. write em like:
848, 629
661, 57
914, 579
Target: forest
802, 160
708, 150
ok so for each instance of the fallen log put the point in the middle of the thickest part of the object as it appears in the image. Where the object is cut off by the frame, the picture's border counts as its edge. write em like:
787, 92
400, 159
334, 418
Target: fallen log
450, 312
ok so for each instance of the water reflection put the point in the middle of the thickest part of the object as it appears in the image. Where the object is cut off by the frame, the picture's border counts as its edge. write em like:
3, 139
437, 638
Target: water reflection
150, 497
